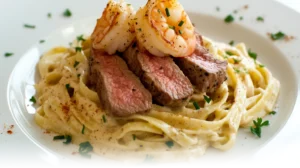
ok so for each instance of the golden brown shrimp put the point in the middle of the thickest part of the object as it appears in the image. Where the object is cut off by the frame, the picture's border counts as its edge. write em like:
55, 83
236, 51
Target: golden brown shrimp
114, 30
164, 28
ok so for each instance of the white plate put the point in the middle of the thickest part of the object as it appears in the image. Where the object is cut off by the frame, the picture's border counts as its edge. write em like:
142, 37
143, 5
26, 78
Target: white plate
280, 57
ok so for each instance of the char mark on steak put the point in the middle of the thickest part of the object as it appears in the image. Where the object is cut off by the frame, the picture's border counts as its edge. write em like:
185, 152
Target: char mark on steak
161, 76
120, 91
203, 70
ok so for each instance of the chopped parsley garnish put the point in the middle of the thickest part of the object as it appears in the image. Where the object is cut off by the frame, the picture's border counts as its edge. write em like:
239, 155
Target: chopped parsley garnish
32, 99
229, 19
231, 43
49, 15
104, 118
236, 60
218, 8
272, 113
42, 41
76, 63
70, 90
261, 65
207, 99
168, 12
29, 26
85, 148
253, 55
229, 53
241, 18
172, 27
68, 138
128, 4
180, 32
59, 137
277, 36
149, 161
133, 137
170, 144
258, 125
78, 49
260, 19
196, 105
67, 13
83, 128
8, 54
158, 10
237, 70
80, 38
181, 23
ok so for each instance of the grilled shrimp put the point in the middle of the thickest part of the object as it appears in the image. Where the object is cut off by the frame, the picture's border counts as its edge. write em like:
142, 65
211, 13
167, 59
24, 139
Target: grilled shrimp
164, 28
114, 31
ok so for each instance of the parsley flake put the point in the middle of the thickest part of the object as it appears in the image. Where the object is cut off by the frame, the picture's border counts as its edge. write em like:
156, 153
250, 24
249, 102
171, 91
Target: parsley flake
68, 139
168, 12
218, 8
172, 27
181, 23
80, 38
180, 32
29, 26
229, 19
83, 129
277, 36
231, 43
170, 144
258, 125
253, 55
260, 19
49, 15
85, 148
76, 63
261, 65
133, 137
8, 54
42, 41
207, 99
237, 70
32, 99
70, 90
196, 105
272, 113
104, 118
78, 49
67, 13
229, 53
236, 61
59, 137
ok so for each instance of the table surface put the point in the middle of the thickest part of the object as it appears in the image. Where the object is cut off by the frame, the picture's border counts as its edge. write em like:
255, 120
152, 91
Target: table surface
266, 156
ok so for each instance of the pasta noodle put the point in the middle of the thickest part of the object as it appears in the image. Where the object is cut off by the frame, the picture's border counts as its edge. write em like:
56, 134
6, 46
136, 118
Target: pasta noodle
250, 92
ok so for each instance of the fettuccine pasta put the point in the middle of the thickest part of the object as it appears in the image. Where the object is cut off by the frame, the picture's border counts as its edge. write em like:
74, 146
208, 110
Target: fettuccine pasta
250, 92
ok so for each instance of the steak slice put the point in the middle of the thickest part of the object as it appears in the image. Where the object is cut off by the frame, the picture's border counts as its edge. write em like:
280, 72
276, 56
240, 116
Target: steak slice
161, 76
120, 91
204, 71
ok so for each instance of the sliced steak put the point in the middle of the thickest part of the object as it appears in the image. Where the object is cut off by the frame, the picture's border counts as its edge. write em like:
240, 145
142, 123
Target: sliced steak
119, 90
161, 76
203, 70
